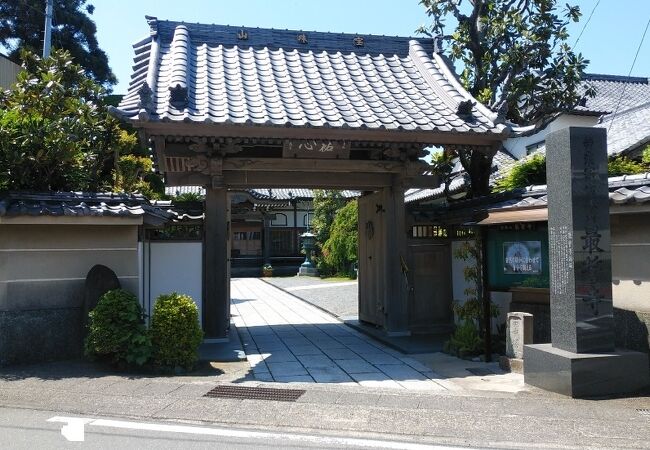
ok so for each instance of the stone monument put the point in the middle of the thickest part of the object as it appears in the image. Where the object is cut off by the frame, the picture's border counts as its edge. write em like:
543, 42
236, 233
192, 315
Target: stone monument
99, 280
519, 332
582, 360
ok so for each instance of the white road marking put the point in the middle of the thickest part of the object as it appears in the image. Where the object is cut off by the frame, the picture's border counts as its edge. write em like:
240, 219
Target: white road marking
320, 286
225, 432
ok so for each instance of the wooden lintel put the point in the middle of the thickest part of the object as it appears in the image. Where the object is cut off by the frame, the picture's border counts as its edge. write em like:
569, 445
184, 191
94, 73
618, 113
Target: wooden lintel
387, 136
357, 181
310, 165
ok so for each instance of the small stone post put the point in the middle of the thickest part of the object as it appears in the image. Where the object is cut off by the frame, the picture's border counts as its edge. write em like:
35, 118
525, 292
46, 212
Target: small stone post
519, 332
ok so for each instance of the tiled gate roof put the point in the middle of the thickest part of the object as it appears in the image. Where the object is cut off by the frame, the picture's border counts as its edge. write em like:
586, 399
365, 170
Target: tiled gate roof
231, 75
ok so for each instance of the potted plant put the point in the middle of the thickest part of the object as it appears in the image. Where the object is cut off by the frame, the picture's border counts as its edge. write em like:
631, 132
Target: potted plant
267, 270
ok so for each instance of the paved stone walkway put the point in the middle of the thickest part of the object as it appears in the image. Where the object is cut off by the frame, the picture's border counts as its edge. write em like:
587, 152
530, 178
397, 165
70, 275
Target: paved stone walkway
289, 340
338, 298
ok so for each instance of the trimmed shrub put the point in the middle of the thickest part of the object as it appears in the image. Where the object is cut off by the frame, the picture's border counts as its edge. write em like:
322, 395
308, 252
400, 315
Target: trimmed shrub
116, 330
620, 165
530, 171
175, 331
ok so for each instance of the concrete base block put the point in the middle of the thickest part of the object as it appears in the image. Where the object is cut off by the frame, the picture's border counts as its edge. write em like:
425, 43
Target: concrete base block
585, 374
308, 272
514, 365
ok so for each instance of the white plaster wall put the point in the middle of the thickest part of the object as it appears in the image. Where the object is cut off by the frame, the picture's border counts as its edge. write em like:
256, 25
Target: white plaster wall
174, 267
517, 146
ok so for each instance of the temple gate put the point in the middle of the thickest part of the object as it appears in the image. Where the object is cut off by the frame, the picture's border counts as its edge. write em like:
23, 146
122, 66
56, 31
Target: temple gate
236, 108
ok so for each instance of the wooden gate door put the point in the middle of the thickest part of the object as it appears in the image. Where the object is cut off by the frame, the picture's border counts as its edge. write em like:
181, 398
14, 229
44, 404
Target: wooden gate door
371, 255
430, 297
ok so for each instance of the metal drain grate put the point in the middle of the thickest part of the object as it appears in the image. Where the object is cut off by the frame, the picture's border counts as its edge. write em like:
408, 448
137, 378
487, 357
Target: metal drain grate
644, 411
256, 393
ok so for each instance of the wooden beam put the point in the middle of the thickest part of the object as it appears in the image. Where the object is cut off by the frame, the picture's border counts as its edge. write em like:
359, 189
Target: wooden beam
280, 132
311, 165
322, 180
250, 180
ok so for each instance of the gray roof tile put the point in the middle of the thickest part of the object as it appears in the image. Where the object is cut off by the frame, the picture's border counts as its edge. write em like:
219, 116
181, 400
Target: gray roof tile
205, 73
613, 91
78, 204
628, 129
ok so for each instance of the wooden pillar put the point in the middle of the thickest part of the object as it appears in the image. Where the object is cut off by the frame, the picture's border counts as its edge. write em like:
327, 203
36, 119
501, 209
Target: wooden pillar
266, 240
216, 264
395, 266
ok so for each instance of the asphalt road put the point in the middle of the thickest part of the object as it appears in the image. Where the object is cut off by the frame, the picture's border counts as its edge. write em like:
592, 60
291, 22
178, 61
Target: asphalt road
30, 429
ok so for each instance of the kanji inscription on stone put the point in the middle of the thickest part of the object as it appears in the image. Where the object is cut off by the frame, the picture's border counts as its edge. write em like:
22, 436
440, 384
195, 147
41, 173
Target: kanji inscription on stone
579, 242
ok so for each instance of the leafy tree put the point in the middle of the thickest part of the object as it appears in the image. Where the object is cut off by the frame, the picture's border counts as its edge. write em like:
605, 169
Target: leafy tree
620, 165
515, 59
189, 197
55, 132
134, 169
326, 204
21, 28
531, 171
340, 250
645, 155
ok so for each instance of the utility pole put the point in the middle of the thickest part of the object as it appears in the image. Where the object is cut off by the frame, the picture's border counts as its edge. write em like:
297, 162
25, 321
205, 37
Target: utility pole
47, 39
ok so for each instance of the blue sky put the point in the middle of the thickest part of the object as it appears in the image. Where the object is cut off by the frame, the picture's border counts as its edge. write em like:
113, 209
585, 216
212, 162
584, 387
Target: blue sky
609, 41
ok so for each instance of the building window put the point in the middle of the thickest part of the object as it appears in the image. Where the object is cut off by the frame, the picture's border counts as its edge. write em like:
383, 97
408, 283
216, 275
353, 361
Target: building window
279, 220
306, 220
532, 148
429, 231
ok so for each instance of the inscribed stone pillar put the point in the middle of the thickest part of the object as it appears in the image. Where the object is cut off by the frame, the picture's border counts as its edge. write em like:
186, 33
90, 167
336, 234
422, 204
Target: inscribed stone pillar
579, 241
216, 285
581, 361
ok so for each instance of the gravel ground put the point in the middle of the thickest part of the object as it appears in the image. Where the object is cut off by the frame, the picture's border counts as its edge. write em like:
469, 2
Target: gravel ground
340, 300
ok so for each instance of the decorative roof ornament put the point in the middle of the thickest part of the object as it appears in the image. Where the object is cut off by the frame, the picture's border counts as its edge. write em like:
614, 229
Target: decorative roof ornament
146, 98
464, 110
152, 21
178, 96
242, 35
302, 38
359, 41
502, 113
437, 43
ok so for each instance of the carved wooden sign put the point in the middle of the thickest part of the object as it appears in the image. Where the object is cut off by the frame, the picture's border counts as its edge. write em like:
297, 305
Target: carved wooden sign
314, 148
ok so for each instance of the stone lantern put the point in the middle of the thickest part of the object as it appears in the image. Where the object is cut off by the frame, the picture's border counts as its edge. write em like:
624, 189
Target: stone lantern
307, 268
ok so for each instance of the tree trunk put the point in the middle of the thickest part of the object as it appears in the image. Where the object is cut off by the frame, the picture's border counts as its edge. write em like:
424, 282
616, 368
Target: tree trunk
480, 169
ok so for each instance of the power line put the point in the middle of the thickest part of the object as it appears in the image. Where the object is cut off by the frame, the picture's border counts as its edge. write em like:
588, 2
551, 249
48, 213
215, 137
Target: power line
620, 99
586, 23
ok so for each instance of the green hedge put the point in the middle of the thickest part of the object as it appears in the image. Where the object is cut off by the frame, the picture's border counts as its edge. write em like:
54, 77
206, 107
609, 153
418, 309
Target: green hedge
175, 331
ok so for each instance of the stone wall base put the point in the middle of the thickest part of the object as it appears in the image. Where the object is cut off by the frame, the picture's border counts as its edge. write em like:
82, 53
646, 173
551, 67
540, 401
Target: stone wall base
583, 375
40, 335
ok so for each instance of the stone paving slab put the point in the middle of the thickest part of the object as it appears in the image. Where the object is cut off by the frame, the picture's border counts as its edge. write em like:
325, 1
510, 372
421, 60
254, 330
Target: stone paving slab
289, 340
